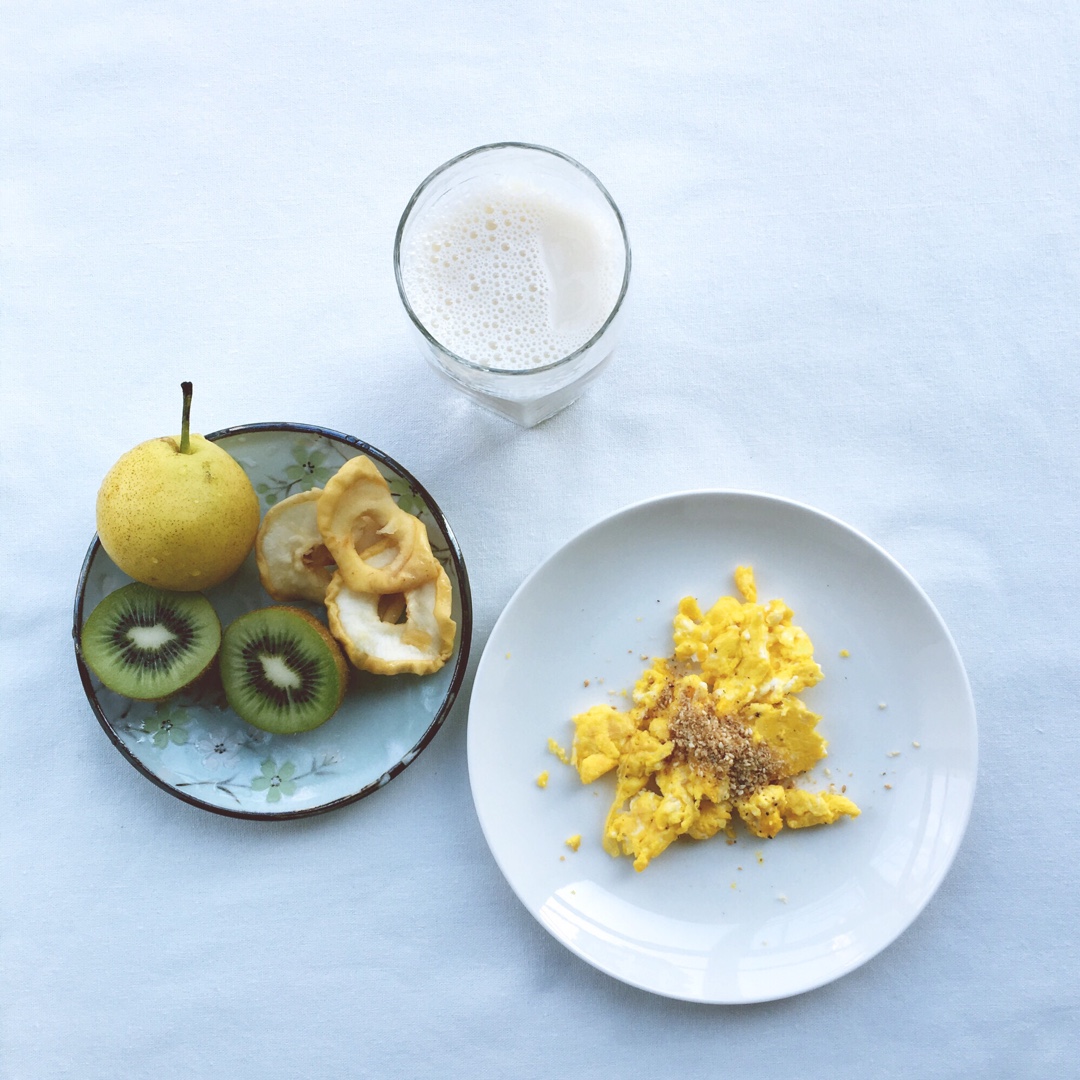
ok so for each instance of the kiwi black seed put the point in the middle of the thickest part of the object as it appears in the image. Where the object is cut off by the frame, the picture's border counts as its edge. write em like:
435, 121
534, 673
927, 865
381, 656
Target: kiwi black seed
282, 670
147, 643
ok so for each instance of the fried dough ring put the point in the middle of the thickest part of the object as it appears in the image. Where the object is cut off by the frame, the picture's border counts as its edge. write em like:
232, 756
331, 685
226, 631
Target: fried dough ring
420, 645
293, 561
377, 547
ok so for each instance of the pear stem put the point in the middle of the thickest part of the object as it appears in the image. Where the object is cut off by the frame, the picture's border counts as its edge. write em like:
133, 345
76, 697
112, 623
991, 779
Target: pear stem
185, 423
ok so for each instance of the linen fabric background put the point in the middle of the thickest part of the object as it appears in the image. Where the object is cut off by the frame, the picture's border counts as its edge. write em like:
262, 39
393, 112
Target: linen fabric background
855, 283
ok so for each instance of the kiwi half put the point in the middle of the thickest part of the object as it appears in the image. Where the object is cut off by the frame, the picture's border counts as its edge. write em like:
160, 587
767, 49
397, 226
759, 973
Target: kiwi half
147, 643
282, 670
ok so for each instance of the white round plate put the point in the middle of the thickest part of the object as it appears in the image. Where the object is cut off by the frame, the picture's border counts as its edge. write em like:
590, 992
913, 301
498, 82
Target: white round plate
708, 921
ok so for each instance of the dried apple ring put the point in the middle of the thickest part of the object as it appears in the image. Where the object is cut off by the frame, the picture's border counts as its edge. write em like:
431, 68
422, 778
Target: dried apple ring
420, 645
293, 561
377, 547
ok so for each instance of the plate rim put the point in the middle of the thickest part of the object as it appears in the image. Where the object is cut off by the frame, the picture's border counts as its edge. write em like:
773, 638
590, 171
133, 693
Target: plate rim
971, 723
456, 680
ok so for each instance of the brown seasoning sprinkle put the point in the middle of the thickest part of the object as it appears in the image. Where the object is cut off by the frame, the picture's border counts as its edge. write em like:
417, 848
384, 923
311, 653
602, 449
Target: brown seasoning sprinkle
722, 746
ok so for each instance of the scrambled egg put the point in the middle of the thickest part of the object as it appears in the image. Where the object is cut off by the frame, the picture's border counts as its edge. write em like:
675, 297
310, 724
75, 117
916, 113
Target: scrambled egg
715, 732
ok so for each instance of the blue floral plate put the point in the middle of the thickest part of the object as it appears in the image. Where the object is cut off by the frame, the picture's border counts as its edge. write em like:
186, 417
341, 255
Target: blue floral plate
196, 748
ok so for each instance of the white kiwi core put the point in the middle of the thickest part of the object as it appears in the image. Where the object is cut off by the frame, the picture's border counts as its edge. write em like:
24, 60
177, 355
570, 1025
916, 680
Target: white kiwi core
150, 637
279, 673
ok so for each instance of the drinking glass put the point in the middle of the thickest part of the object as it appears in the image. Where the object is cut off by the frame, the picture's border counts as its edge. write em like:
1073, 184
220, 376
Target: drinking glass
525, 394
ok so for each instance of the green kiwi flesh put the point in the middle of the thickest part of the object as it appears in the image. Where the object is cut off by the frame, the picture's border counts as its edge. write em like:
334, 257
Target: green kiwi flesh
282, 671
147, 643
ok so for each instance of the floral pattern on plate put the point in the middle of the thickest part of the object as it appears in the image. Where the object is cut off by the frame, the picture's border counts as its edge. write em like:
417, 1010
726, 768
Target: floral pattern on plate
194, 746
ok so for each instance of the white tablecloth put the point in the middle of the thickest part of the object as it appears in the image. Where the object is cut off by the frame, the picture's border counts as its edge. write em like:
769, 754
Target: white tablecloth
855, 284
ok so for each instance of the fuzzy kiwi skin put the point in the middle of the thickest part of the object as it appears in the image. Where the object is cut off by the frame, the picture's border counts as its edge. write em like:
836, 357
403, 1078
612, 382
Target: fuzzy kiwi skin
340, 664
96, 623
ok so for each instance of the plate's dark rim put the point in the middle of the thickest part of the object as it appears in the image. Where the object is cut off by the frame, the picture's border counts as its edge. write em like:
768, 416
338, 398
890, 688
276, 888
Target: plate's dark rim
463, 646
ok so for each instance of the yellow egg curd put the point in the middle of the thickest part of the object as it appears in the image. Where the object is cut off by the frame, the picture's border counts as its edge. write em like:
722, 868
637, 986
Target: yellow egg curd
715, 731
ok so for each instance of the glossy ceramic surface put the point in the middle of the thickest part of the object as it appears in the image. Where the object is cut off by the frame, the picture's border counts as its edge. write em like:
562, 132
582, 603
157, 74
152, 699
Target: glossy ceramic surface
198, 749
708, 921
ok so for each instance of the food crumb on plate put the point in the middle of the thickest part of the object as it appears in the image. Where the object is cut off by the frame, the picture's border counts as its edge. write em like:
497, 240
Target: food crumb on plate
541, 780
844, 653
573, 842
558, 751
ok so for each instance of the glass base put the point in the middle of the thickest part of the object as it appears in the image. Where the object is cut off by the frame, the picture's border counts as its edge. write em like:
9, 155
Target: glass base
526, 413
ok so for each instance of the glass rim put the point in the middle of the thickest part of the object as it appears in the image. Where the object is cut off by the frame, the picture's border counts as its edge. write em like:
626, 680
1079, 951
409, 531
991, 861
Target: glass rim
431, 339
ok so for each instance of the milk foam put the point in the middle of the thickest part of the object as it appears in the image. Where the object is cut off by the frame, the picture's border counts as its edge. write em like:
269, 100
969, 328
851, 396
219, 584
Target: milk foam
513, 277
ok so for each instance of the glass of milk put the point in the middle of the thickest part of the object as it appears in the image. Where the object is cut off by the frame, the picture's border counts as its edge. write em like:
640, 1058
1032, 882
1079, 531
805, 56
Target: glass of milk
512, 262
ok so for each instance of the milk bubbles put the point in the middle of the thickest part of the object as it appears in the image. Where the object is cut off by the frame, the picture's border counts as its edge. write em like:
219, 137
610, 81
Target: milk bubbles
511, 276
